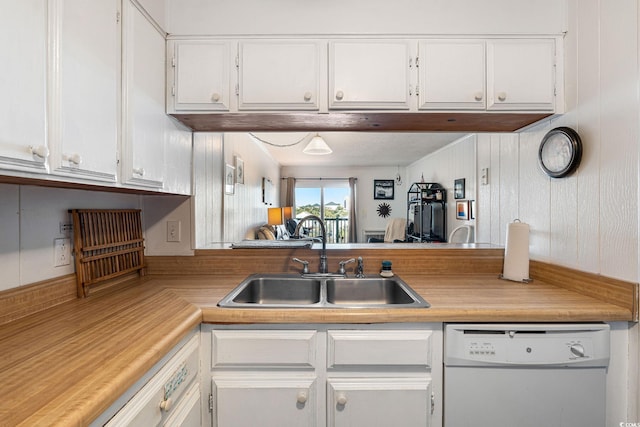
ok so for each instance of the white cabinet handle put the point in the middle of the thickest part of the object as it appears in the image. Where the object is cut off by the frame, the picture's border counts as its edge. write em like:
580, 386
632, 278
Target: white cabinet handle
308, 96
339, 95
41, 151
302, 396
215, 97
341, 399
75, 158
138, 171
165, 405
502, 96
478, 96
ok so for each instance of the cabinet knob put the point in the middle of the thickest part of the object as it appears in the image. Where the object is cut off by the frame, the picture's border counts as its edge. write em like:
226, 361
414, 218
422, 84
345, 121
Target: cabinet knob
138, 171
339, 95
308, 96
165, 405
41, 151
302, 396
502, 96
215, 97
478, 96
341, 399
75, 158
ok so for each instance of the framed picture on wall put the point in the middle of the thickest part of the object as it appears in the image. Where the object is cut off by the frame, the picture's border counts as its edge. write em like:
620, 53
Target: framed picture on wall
229, 179
239, 170
462, 210
383, 189
458, 188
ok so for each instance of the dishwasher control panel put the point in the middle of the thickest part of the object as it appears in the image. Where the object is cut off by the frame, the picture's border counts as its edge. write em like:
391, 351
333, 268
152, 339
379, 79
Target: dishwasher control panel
527, 344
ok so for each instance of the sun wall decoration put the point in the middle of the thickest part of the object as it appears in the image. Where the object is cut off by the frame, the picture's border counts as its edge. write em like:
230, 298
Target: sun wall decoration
384, 210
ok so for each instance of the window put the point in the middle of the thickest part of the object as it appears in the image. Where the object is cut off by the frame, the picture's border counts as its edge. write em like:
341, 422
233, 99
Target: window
328, 200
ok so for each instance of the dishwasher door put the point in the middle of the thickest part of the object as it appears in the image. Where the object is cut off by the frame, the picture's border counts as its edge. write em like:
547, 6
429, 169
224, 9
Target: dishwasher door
525, 375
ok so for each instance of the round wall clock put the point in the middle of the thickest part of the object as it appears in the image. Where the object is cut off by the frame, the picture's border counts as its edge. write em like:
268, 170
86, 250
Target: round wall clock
560, 152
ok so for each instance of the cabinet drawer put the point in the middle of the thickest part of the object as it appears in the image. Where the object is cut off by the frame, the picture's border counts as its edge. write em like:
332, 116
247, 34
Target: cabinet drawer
263, 348
381, 348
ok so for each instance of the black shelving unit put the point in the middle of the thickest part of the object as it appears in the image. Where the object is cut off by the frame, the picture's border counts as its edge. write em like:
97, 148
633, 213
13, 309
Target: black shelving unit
426, 212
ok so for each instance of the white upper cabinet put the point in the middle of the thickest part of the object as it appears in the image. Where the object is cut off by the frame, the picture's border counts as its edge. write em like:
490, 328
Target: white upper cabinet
279, 75
23, 132
199, 75
451, 75
369, 74
144, 122
521, 74
84, 117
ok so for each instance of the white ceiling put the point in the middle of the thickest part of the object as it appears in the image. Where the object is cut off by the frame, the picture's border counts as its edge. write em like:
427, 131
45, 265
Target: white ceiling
356, 148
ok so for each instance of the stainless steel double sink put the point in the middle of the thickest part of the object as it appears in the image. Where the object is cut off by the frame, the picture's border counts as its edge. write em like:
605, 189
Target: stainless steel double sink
295, 291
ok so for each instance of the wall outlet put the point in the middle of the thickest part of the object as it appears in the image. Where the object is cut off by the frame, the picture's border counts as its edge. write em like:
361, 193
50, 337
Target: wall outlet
61, 252
173, 231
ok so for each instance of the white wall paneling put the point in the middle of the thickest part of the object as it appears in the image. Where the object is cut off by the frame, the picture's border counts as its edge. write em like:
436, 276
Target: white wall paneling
619, 144
244, 210
207, 188
221, 217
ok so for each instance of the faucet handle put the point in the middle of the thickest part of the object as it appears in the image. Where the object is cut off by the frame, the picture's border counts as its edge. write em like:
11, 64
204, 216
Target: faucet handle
305, 265
360, 269
342, 270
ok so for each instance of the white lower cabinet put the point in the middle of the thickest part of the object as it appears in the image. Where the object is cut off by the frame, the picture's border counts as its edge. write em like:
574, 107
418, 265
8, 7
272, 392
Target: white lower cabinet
323, 375
363, 402
284, 400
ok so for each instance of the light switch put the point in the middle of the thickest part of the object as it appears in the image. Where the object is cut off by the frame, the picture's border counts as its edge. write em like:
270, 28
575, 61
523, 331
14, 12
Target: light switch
173, 231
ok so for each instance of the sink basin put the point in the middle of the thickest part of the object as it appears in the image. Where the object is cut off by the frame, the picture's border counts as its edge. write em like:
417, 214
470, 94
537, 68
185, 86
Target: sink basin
266, 290
294, 291
369, 291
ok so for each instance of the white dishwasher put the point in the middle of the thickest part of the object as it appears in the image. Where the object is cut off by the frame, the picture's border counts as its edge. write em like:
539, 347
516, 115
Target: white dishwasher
525, 375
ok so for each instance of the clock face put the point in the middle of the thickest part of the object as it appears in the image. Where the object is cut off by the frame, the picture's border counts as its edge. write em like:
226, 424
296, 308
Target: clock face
560, 152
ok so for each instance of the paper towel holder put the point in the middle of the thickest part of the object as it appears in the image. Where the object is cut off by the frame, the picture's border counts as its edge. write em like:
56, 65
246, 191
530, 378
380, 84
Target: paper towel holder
511, 272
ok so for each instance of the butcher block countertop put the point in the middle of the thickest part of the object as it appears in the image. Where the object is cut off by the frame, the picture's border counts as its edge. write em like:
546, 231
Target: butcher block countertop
67, 364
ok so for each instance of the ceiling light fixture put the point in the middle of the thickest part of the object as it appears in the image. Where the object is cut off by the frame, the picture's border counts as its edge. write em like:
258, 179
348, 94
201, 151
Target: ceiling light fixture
317, 147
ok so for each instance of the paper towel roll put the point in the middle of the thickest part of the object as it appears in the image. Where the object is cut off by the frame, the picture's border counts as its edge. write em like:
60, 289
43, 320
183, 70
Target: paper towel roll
516, 252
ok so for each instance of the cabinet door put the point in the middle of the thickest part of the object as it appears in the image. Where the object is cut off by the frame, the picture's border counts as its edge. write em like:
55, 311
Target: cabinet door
23, 27
451, 75
200, 71
402, 402
369, 75
144, 119
283, 75
84, 117
265, 402
521, 74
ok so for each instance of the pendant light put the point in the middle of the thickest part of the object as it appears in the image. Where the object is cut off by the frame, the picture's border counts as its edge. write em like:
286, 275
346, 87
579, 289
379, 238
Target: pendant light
317, 147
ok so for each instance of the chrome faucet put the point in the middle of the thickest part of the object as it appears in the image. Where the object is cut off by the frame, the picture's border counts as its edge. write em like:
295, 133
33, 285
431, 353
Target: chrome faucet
360, 268
323, 253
